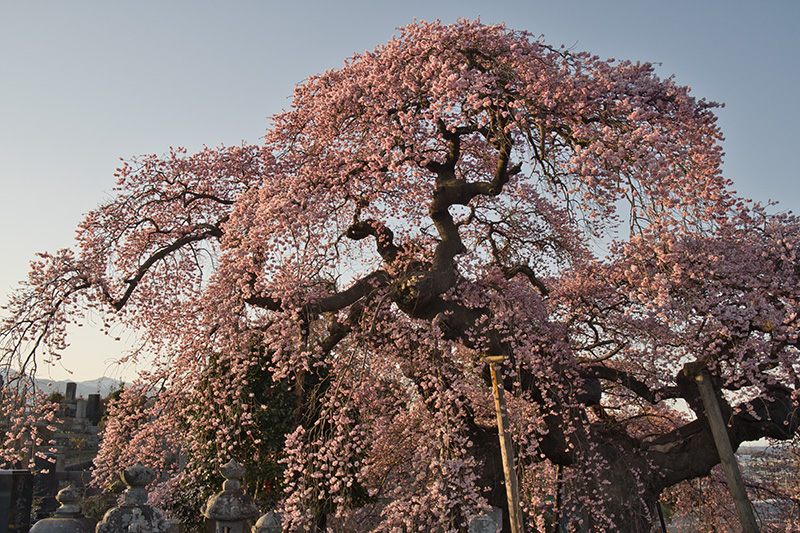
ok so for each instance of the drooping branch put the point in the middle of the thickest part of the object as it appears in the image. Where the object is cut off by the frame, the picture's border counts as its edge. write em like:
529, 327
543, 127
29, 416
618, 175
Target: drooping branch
38, 309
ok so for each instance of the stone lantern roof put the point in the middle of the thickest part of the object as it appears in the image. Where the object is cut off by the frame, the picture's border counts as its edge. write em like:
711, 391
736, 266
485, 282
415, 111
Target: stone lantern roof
68, 517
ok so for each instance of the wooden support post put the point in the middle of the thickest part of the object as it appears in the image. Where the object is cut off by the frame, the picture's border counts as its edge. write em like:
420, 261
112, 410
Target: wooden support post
506, 447
719, 430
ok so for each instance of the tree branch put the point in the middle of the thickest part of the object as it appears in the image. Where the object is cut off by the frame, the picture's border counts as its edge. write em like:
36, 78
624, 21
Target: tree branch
510, 272
621, 377
161, 253
384, 237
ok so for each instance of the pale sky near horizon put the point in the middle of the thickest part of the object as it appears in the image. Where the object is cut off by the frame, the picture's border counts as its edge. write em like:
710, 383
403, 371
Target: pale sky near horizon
86, 83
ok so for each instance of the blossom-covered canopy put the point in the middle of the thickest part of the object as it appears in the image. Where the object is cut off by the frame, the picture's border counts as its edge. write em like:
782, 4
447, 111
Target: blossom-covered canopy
464, 190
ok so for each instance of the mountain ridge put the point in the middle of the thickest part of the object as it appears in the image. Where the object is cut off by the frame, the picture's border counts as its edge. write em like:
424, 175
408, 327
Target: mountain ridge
102, 386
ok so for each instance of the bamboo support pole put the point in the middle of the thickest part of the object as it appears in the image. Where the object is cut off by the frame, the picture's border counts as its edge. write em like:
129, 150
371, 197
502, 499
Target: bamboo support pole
732, 474
506, 447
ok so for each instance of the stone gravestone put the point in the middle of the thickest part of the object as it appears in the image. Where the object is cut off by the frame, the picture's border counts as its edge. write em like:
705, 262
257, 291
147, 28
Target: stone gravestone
16, 497
80, 409
94, 410
69, 401
72, 391
45, 485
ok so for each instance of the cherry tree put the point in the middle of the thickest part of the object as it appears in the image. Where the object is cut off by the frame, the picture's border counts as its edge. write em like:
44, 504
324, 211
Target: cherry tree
462, 191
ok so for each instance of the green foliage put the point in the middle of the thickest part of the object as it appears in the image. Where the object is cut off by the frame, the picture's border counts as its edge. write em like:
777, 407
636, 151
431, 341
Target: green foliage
256, 442
55, 397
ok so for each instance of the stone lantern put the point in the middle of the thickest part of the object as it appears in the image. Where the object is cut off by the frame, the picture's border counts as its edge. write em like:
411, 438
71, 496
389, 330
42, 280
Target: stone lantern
68, 517
231, 509
490, 521
134, 514
268, 523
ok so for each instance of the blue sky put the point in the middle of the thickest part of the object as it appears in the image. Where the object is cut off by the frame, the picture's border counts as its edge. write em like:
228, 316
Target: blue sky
86, 83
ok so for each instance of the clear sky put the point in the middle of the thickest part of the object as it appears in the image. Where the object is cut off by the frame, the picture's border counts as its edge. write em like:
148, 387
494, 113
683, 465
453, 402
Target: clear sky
84, 84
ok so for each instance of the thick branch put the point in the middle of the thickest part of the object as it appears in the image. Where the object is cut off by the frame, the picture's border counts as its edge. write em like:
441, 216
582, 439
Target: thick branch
689, 451
357, 291
339, 330
333, 302
528, 271
384, 238
453, 191
639, 388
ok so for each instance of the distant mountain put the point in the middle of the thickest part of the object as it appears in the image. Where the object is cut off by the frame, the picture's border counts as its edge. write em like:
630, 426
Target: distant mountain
102, 386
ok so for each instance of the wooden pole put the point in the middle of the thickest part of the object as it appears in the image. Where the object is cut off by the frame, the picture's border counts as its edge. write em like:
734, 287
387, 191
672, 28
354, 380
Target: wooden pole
732, 474
506, 448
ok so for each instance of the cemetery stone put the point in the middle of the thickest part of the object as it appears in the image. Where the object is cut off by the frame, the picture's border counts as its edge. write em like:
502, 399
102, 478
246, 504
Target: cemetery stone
16, 496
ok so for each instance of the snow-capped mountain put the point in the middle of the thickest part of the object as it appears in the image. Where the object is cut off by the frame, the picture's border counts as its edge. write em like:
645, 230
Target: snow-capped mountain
102, 386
